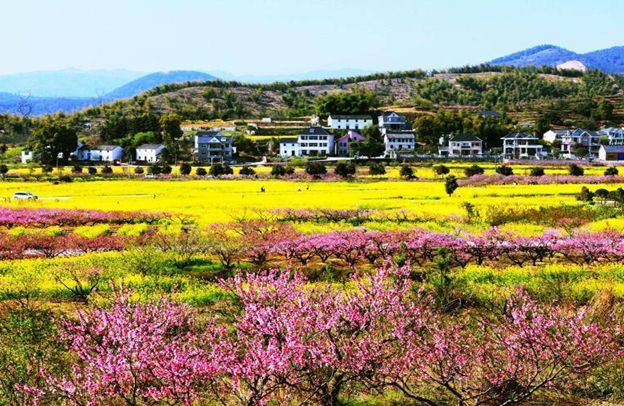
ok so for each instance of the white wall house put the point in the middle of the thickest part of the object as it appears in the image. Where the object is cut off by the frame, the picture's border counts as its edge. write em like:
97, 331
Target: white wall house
521, 146
392, 121
349, 122
611, 153
289, 147
462, 145
212, 146
615, 135
398, 144
106, 153
149, 152
580, 138
551, 136
27, 156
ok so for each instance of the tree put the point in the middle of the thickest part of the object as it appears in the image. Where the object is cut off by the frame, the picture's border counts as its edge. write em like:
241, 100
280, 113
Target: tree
92, 170
278, 170
611, 171
406, 172
376, 169
537, 171
139, 170
473, 170
441, 169
201, 172
581, 152
345, 169
450, 184
107, 170
185, 168
372, 145
504, 170
247, 171
315, 168
53, 140
575, 170
171, 131
3, 169
218, 169
357, 101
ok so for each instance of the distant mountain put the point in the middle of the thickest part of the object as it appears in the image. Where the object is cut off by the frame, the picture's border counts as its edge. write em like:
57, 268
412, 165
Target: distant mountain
152, 80
66, 83
609, 60
312, 75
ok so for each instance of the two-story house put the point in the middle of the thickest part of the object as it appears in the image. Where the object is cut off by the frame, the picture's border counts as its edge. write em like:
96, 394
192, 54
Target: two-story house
551, 136
104, 153
342, 144
314, 141
349, 122
289, 147
212, 146
391, 121
399, 138
613, 134
522, 146
149, 152
580, 138
462, 145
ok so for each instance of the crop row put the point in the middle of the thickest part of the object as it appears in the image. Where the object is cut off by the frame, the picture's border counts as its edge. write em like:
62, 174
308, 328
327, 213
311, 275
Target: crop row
14, 217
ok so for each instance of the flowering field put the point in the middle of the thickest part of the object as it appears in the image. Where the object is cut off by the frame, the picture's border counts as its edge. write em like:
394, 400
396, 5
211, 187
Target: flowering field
264, 291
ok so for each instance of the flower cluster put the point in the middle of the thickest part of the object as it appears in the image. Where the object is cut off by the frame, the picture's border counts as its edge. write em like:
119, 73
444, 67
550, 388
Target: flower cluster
48, 246
485, 180
14, 217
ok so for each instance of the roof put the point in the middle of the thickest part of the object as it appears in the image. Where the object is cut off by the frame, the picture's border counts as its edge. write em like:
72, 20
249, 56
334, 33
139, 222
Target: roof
464, 138
106, 147
392, 117
150, 146
315, 131
518, 135
401, 135
350, 117
351, 136
613, 148
211, 133
291, 140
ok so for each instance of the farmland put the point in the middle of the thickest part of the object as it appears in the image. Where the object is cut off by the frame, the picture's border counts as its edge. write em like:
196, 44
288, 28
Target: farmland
373, 290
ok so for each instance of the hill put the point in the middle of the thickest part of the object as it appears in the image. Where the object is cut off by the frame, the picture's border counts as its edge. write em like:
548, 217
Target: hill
152, 80
610, 60
66, 83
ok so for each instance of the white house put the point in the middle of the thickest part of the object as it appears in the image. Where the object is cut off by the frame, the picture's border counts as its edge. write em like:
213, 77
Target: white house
392, 121
397, 144
289, 147
27, 156
611, 153
106, 153
521, 146
551, 136
149, 152
315, 141
615, 135
463, 145
349, 122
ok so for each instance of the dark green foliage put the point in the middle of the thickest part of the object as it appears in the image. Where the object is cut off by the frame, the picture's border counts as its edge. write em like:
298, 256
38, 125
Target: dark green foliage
201, 172
139, 170
586, 195
377, 169
504, 170
77, 169
247, 171
372, 145
166, 169
575, 170
107, 170
537, 171
47, 168
473, 170
54, 137
92, 170
345, 169
406, 172
278, 170
3, 169
185, 168
315, 168
441, 169
357, 101
219, 169
611, 171
450, 184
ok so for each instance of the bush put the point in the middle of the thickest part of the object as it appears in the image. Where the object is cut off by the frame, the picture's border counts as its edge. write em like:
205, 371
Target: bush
376, 169
406, 172
611, 171
575, 170
602, 193
91, 170
290, 170
345, 169
586, 195
441, 170
47, 168
473, 170
166, 169
139, 170
315, 168
247, 171
537, 171
107, 170
278, 170
77, 169
450, 185
220, 169
504, 170
154, 169
201, 172
185, 169
65, 179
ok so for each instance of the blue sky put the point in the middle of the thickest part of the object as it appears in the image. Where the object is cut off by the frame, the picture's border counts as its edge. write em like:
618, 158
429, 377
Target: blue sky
292, 36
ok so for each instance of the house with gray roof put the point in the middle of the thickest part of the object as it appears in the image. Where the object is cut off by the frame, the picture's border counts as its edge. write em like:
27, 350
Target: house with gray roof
349, 122
149, 152
611, 153
580, 138
211, 146
521, 145
104, 153
462, 145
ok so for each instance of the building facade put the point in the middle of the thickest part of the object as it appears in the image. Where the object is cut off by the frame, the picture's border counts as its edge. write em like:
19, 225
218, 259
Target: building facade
580, 138
149, 152
611, 153
342, 144
104, 153
211, 146
522, 146
463, 145
289, 147
349, 122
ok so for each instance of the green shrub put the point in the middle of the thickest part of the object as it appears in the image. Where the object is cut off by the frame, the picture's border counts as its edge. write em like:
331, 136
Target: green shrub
473, 170
201, 172
441, 170
537, 171
376, 169
315, 168
247, 171
406, 172
504, 170
611, 171
575, 170
185, 169
345, 169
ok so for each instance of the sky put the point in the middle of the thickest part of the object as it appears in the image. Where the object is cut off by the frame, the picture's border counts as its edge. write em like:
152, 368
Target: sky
264, 37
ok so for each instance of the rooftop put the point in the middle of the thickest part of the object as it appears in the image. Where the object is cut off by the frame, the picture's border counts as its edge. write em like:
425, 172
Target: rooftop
464, 138
150, 146
350, 116
315, 131
106, 147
